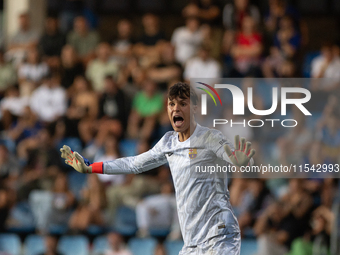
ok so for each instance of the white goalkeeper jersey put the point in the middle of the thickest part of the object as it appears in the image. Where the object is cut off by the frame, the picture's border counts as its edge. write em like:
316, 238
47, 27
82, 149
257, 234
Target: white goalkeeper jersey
203, 206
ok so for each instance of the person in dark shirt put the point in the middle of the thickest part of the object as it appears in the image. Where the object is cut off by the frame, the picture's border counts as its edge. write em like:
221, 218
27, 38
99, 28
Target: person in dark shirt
51, 243
70, 65
113, 110
168, 69
152, 33
52, 42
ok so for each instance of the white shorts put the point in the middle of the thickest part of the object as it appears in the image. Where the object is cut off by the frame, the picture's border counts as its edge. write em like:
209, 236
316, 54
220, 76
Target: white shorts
229, 244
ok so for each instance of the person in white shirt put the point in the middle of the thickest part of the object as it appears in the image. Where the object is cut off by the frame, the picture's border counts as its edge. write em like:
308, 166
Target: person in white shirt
157, 211
326, 66
187, 40
117, 246
49, 101
202, 66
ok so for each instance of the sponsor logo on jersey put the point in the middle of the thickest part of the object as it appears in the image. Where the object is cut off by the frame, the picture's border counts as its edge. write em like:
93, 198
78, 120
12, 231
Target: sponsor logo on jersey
223, 141
192, 153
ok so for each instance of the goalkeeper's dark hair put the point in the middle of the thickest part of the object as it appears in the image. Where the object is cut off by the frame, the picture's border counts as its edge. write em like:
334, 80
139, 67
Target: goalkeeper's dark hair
183, 91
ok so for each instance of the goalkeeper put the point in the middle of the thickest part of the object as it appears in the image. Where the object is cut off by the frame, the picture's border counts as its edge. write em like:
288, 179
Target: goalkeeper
206, 218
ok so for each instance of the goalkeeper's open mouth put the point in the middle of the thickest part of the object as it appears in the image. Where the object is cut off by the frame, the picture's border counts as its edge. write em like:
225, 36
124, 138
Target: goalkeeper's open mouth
178, 121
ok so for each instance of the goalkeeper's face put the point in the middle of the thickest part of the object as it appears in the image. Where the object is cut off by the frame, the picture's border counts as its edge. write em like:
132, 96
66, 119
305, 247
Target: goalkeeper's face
181, 113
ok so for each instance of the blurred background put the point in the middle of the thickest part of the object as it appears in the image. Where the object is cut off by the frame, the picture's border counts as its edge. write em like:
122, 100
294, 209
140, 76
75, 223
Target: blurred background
94, 74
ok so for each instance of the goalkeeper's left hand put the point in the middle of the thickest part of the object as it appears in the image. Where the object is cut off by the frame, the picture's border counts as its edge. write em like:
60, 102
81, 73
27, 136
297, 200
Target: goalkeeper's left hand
74, 159
242, 153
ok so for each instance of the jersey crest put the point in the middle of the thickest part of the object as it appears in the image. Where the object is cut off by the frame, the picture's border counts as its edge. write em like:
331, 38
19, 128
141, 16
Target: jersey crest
192, 153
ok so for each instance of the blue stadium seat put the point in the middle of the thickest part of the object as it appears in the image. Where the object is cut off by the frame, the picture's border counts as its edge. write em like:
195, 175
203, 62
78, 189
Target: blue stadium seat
128, 147
10, 243
173, 247
248, 246
100, 244
159, 232
125, 222
34, 244
74, 245
76, 182
142, 246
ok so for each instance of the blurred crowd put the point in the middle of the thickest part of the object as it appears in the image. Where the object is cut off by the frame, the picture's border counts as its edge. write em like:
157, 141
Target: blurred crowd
107, 99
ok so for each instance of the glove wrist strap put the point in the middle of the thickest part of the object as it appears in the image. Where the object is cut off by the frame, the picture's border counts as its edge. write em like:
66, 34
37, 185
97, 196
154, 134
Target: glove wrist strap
97, 168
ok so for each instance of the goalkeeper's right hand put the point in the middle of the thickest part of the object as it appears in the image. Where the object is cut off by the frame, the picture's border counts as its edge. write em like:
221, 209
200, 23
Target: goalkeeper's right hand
74, 159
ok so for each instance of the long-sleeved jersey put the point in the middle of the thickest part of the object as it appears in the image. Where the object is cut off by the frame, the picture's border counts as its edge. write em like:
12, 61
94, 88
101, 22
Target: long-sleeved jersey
203, 206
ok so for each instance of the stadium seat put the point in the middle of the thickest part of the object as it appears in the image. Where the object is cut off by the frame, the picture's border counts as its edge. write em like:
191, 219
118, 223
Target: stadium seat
128, 147
76, 182
74, 245
173, 247
248, 246
125, 222
142, 246
100, 244
159, 232
41, 205
10, 243
22, 214
34, 244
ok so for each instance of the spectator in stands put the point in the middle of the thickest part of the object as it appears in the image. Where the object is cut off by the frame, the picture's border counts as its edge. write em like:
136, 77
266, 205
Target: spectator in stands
274, 230
259, 198
294, 145
187, 40
101, 67
40, 158
49, 100
117, 245
70, 9
122, 45
152, 32
167, 70
246, 50
83, 109
71, 67
52, 42
33, 70
90, 209
114, 110
134, 188
205, 10
6, 202
157, 211
12, 106
146, 107
23, 39
329, 135
26, 126
284, 221
8, 75
277, 10
9, 168
276, 65
83, 40
287, 39
202, 66
51, 243
326, 65
63, 201
234, 13
109, 152
148, 46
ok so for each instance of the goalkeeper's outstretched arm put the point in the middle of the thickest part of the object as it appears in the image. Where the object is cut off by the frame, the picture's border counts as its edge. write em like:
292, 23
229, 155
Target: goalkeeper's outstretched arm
128, 165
